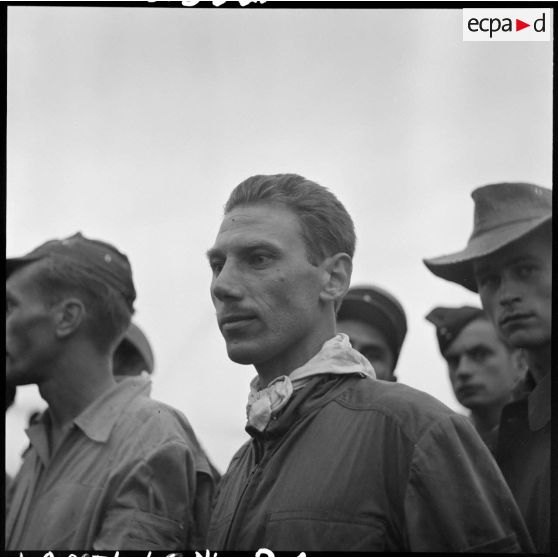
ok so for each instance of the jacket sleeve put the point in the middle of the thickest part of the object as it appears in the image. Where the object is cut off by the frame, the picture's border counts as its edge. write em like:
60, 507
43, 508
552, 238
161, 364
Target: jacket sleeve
152, 507
456, 498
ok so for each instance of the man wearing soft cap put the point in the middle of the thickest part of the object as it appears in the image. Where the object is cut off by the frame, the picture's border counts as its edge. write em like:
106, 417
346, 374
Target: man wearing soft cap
508, 261
483, 369
376, 325
107, 468
338, 461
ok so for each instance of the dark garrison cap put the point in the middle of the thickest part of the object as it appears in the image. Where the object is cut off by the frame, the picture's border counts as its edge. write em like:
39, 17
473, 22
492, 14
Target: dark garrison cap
100, 259
450, 321
377, 307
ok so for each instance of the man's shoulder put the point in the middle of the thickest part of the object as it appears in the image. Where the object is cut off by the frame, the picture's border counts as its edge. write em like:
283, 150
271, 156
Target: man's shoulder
155, 422
408, 407
368, 393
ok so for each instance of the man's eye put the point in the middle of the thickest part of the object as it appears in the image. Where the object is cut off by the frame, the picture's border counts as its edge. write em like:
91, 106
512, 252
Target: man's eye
216, 265
372, 354
487, 280
452, 362
259, 259
479, 355
524, 271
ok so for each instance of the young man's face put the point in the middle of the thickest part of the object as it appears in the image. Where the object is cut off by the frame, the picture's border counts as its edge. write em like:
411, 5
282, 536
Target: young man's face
30, 339
264, 289
372, 343
481, 368
515, 286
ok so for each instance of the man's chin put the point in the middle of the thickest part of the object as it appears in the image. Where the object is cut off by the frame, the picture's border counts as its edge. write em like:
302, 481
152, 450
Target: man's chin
522, 339
240, 355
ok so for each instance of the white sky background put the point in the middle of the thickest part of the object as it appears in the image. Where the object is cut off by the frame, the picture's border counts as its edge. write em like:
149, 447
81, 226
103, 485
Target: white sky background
133, 126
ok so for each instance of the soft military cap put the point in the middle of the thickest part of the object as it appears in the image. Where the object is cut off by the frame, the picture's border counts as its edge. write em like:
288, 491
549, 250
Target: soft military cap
137, 339
100, 259
450, 322
504, 213
375, 306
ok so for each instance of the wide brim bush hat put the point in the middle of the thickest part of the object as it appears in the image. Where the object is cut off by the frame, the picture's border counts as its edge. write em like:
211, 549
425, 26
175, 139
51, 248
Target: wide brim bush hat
504, 213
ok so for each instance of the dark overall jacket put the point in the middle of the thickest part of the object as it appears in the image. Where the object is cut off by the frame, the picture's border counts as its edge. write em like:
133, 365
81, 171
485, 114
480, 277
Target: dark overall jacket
524, 456
355, 464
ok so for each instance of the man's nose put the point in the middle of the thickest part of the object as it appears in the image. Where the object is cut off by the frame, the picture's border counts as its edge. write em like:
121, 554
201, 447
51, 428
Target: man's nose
508, 292
464, 368
227, 283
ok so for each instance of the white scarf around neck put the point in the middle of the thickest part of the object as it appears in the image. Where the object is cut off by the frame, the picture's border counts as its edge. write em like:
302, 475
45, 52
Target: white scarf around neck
335, 357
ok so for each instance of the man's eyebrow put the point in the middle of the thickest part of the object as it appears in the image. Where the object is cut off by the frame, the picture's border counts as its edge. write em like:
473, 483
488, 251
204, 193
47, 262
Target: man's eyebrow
475, 347
259, 245
250, 246
213, 253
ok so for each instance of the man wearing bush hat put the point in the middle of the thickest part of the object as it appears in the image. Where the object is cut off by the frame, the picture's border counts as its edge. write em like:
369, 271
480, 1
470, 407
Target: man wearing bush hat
508, 261
376, 325
107, 468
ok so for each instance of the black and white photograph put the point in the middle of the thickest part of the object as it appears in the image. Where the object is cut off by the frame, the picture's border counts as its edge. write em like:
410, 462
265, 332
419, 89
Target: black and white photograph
278, 276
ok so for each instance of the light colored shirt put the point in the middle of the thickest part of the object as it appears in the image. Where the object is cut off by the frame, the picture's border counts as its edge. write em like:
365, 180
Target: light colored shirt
122, 478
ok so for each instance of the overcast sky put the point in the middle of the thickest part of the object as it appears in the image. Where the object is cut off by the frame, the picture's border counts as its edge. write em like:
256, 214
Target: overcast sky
133, 125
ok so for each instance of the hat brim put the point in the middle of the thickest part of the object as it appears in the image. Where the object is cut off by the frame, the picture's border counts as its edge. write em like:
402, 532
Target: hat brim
458, 267
15, 263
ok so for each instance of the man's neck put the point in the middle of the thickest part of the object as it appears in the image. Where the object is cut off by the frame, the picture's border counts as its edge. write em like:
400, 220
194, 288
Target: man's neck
538, 361
486, 418
290, 361
76, 383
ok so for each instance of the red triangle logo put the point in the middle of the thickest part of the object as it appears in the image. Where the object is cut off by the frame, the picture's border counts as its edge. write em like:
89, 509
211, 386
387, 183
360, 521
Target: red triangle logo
519, 25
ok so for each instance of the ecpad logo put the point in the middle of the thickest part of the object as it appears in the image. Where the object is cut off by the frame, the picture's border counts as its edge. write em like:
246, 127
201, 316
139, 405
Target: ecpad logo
507, 24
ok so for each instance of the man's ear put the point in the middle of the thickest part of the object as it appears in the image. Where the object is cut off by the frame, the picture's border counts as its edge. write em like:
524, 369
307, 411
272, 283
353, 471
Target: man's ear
337, 277
69, 315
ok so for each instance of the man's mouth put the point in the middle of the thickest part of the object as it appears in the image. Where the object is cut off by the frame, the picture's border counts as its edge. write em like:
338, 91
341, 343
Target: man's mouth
467, 390
514, 319
231, 322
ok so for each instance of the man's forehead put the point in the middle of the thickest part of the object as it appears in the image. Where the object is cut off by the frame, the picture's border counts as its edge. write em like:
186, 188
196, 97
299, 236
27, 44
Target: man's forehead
23, 280
252, 225
23, 274
479, 332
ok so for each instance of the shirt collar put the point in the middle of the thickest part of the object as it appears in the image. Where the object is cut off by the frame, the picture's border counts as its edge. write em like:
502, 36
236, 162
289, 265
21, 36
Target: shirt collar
538, 403
99, 418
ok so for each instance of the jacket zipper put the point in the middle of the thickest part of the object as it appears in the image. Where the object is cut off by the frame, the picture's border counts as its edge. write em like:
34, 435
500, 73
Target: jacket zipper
258, 454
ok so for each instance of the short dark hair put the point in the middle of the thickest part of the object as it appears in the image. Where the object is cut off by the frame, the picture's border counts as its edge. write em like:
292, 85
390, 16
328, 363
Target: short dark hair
327, 227
108, 314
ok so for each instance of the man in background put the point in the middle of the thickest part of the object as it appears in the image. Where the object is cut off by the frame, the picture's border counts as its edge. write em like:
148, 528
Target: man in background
134, 357
107, 468
337, 461
376, 325
483, 369
508, 261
